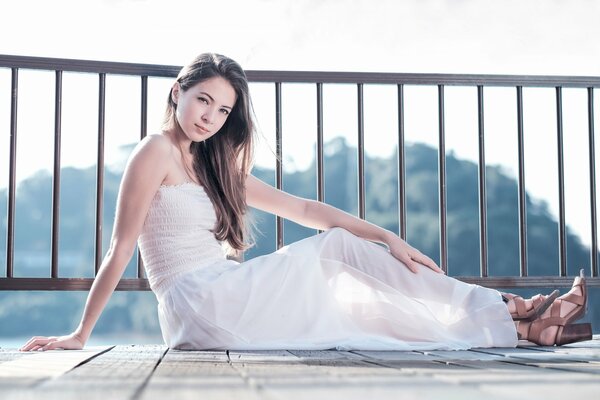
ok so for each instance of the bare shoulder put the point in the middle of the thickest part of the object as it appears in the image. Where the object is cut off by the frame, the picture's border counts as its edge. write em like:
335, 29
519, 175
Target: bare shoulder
153, 146
150, 161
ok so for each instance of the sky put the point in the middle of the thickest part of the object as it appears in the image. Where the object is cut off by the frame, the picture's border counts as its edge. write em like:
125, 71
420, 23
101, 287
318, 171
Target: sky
526, 37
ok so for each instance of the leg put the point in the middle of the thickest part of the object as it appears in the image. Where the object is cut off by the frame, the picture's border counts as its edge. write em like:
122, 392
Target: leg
448, 305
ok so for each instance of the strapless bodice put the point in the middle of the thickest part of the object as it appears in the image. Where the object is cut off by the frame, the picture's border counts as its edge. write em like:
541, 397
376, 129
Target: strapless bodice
176, 236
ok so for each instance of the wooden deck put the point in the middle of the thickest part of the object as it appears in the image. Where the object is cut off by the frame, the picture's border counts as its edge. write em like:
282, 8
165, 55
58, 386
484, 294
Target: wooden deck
153, 371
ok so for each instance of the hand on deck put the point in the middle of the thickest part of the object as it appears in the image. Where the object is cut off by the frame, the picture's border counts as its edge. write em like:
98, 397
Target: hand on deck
42, 343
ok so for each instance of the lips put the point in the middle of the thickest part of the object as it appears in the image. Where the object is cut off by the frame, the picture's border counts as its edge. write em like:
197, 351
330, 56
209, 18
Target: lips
202, 129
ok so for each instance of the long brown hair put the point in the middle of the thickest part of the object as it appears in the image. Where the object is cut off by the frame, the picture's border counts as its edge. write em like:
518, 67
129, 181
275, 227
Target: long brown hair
222, 162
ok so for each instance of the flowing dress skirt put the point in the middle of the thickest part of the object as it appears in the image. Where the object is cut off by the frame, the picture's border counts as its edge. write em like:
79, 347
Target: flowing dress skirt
332, 290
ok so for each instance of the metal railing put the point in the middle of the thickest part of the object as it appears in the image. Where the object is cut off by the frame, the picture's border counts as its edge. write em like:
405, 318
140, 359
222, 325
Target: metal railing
144, 71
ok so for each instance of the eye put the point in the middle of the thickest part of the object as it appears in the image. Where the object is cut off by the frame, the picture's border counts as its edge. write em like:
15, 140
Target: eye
225, 111
203, 99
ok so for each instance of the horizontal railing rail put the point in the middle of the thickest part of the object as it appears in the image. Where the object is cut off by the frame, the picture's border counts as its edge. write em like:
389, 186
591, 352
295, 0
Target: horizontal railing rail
400, 80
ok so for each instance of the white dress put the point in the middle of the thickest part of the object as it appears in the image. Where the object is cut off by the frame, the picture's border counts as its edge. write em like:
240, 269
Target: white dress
332, 290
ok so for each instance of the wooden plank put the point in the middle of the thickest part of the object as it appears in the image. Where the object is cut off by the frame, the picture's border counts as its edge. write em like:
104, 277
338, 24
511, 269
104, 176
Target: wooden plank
194, 374
12, 354
33, 368
261, 355
347, 379
448, 355
396, 355
557, 358
360, 389
47, 364
505, 351
116, 374
560, 390
325, 355
582, 351
331, 376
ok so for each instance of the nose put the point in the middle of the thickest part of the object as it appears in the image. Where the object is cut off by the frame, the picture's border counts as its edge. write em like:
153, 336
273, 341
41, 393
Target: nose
209, 115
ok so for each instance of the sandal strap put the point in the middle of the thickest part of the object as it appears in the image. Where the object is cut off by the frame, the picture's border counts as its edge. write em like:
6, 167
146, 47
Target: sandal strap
538, 326
575, 298
520, 305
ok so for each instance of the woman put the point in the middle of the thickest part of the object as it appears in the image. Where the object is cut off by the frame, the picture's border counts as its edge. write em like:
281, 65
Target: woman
184, 196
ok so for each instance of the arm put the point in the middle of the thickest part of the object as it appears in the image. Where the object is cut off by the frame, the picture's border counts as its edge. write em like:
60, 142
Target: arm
318, 215
143, 175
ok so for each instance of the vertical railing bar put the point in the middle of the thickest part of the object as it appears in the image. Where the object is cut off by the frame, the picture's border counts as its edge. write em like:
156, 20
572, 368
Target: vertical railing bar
361, 151
56, 175
562, 232
522, 193
278, 166
592, 152
483, 244
12, 174
100, 169
143, 133
144, 107
320, 175
401, 166
442, 181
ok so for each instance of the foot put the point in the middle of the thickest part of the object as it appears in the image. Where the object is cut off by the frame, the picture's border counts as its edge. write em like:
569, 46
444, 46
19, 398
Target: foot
564, 307
528, 309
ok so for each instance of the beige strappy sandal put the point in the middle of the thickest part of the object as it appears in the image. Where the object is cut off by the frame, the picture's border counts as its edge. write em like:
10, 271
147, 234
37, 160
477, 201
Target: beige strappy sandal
566, 332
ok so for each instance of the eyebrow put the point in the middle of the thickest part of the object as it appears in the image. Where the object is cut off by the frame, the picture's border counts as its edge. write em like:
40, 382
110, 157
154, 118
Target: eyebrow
211, 99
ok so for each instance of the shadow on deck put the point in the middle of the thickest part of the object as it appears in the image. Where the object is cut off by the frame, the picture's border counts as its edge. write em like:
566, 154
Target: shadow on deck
153, 371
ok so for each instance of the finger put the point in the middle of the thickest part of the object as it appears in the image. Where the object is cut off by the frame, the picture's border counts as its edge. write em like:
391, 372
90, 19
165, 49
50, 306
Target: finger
411, 265
49, 346
37, 339
428, 262
29, 342
45, 341
32, 343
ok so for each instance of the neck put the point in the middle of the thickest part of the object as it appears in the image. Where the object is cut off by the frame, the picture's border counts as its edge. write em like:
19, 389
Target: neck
179, 138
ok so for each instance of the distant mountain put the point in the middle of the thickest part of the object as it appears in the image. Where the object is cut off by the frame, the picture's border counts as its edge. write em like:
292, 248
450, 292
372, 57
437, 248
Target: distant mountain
26, 313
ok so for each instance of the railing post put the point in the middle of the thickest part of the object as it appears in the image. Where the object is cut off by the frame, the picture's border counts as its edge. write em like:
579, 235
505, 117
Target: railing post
442, 181
320, 174
56, 175
100, 170
361, 151
143, 133
521, 183
278, 165
401, 166
593, 207
562, 231
483, 245
12, 173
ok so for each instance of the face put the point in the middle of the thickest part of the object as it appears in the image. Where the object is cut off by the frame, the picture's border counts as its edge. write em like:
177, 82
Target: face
203, 109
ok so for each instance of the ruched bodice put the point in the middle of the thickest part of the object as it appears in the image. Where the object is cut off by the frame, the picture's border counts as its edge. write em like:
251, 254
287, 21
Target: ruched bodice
176, 236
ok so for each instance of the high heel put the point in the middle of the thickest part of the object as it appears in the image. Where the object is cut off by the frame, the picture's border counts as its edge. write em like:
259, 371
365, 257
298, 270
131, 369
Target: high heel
574, 333
565, 334
565, 331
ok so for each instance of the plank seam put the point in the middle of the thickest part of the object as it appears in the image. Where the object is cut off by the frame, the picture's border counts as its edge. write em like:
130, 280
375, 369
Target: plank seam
140, 389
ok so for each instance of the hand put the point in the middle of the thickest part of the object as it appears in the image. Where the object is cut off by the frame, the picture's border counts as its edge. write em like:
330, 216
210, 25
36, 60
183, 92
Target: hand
411, 257
43, 343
